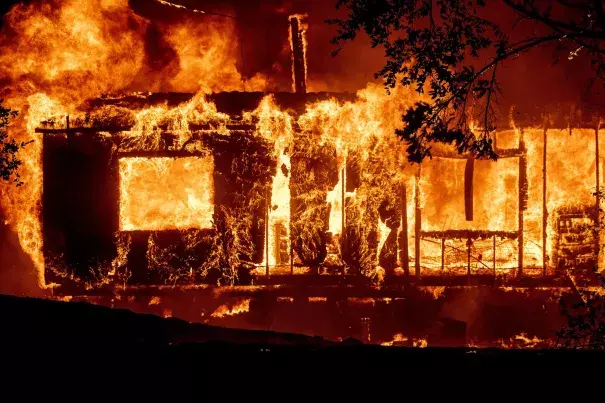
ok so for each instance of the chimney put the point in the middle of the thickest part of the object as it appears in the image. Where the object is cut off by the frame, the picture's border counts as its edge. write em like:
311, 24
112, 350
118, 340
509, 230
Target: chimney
298, 43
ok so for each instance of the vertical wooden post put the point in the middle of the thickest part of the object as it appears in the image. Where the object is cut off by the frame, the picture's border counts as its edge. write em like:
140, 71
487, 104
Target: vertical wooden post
267, 207
597, 200
494, 258
277, 246
442, 254
522, 198
417, 224
404, 257
291, 258
469, 171
544, 205
299, 68
67, 124
469, 242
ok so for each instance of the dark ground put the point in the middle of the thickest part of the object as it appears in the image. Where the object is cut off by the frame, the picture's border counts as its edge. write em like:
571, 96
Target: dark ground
77, 345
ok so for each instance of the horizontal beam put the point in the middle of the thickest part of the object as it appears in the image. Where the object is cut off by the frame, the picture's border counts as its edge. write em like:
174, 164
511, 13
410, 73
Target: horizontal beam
466, 234
163, 153
93, 130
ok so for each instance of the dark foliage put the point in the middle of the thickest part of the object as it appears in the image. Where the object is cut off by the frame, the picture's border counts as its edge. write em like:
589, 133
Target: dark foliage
585, 325
435, 47
9, 163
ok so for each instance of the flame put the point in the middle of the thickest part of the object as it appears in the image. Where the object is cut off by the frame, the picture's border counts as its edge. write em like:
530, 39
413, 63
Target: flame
302, 36
208, 57
166, 193
400, 339
275, 126
335, 198
56, 54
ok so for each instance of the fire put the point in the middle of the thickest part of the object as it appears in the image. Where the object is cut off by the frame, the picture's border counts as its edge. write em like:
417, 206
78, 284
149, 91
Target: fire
166, 193
335, 199
298, 36
383, 231
275, 126
522, 340
208, 55
239, 307
56, 54
400, 340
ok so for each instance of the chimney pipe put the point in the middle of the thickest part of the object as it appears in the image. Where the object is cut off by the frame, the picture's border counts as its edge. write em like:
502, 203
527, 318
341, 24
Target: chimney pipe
299, 50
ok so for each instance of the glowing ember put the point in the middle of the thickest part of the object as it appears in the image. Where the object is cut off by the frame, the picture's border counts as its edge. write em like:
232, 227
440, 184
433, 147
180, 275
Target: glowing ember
240, 307
166, 193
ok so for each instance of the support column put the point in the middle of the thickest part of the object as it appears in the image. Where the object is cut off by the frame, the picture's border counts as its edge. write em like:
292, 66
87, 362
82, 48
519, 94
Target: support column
267, 207
417, 224
442, 254
469, 171
404, 256
597, 201
469, 243
343, 216
494, 258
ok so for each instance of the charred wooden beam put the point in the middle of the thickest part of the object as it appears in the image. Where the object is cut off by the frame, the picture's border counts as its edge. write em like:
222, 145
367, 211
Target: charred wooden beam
544, 205
522, 199
597, 201
469, 172
267, 207
494, 257
453, 154
343, 216
417, 224
468, 234
299, 68
442, 254
117, 129
162, 153
469, 244
404, 257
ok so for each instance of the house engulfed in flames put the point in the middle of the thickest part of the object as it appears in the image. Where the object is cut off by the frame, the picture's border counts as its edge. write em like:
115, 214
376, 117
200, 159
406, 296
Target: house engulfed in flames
304, 195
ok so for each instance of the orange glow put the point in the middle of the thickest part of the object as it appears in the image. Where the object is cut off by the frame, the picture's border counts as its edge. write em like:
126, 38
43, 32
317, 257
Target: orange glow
166, 193
57, 56
239, 307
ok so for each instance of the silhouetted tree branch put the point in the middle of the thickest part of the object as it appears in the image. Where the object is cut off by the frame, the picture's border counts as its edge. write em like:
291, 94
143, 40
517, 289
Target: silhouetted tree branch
433, 46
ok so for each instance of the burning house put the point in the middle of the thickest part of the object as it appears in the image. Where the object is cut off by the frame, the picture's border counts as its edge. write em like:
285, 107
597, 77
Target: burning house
233, 202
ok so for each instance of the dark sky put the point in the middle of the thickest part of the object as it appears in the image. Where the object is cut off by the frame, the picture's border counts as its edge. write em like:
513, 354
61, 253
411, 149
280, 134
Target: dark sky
526, 82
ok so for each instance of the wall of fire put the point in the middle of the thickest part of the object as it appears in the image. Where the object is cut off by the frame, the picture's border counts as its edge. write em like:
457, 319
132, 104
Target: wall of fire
106, 206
